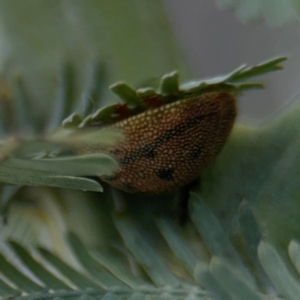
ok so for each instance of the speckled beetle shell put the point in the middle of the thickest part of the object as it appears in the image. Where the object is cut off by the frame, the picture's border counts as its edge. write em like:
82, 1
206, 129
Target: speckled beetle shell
165, 148
166, 136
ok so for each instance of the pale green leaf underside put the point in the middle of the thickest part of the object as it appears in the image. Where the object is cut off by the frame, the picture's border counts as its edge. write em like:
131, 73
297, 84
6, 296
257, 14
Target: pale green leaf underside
107, 274
42, 162
58, 172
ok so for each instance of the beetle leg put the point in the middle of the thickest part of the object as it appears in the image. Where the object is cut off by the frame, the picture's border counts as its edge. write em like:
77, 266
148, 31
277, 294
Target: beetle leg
182, 207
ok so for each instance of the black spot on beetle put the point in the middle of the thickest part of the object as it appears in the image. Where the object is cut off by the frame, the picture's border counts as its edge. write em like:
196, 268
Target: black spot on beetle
165, 174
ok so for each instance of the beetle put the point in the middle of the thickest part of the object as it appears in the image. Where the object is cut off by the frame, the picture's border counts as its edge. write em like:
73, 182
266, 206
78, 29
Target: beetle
170, 135
166, 148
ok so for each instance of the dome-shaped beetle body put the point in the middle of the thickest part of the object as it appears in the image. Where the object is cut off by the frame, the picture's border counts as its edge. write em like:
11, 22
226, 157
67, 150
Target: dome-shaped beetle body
167, 147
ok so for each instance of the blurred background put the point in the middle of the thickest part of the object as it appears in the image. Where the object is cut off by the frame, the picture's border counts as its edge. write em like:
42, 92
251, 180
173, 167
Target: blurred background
36, 36
217, 40
70, 51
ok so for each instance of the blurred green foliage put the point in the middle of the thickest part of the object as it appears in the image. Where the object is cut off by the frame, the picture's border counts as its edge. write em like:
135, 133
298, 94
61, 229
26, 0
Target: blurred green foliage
241, 239
273, 12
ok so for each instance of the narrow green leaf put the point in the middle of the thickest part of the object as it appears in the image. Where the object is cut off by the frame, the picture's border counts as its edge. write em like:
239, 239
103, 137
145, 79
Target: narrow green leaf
126, 93
7, 112
194, 86
65, 96
10, 172
20, 228
177, 244
218, 79
7, 290
294, 253
263, 68
67, 295
169, 84
115, 263
23, 108
232, 282
76, 165
101, 116
97, 271
233, 80
276, 269
250, 86
235, 72
252, 236
94, 88
72, 121
74, 276
36, 267
249, 228
90, 141
205, 278
6, 195
170, 91
144, 253
145, 92
215, 237
18, 278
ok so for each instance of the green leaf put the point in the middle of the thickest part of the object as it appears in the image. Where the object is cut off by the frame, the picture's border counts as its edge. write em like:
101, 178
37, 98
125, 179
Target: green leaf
142, 251
117, 264
38, 270
263, 68
80, 280
77, 165
65, 96
139, 100
182, 252
284, 281
23, 172
101, 279
232, 282
112, 273
169, 84
204, 277
216, 238
92, 266
7, 194
16, 276
126, 93
24, 117
72, 121
62, 280
7, 290
94, 91
294, 249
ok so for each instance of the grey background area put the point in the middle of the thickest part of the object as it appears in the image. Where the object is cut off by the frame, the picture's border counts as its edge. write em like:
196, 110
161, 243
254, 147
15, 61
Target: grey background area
214, 41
